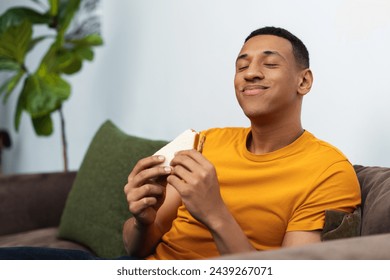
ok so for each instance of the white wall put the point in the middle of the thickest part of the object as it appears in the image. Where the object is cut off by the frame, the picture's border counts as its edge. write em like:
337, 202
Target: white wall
169, 65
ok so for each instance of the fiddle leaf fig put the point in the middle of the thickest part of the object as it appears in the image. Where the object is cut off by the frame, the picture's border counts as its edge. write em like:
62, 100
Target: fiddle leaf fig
44, 94
44, 90
7, 64
67, 9
14, 42
10, 84
20, 107
85, 53
70, 63
41, 95
43, 126
89, 40
59, 60
15, 16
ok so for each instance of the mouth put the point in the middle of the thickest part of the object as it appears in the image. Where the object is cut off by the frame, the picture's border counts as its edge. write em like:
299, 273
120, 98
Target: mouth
254, 89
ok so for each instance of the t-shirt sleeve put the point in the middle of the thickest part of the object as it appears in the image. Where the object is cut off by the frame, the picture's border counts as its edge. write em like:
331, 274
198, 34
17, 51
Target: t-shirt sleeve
337, 188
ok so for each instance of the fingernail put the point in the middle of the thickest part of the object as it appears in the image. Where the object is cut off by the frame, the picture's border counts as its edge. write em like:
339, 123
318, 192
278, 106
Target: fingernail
161, 158
167, 169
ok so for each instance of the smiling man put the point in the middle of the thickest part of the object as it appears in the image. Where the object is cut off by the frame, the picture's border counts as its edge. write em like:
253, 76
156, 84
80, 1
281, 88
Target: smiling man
256, 188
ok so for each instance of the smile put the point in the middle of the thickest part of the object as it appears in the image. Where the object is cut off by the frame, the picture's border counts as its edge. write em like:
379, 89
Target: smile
254, 89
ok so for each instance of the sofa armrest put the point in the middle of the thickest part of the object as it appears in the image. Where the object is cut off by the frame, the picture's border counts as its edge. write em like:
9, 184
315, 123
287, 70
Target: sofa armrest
371, 247
32, 201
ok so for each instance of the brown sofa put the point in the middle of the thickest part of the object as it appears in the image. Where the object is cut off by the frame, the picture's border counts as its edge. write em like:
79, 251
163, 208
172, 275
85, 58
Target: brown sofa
31, 207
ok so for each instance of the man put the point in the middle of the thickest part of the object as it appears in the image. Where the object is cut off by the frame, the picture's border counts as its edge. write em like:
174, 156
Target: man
256, 188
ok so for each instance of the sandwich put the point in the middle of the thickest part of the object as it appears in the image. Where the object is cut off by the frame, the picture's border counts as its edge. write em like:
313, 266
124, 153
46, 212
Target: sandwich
189, 139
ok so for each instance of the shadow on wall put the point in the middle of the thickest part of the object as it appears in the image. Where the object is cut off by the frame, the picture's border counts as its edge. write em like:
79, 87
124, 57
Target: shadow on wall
5, 142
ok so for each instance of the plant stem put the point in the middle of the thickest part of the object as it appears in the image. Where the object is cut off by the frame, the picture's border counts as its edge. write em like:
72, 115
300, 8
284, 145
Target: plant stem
63, 137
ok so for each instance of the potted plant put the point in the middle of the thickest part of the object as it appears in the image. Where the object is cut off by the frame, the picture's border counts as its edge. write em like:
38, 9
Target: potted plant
44, 89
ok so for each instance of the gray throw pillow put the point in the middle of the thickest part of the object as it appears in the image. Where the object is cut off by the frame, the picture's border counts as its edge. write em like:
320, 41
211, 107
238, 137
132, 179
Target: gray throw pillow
340, 224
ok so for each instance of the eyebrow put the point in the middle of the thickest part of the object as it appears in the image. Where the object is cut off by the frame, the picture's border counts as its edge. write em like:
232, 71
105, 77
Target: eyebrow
267, 53
242, 56
273, 53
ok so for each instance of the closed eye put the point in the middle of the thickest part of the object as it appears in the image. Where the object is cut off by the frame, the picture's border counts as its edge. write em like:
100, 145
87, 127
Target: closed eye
242, 68
271, 65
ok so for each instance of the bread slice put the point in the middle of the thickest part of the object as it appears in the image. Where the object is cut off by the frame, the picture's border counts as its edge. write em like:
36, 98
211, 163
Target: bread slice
187, 140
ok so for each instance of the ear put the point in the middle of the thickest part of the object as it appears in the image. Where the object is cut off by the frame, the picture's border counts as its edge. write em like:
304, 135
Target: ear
305, 82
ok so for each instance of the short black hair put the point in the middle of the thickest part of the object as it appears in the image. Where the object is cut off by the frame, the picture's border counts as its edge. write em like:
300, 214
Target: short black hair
300, 51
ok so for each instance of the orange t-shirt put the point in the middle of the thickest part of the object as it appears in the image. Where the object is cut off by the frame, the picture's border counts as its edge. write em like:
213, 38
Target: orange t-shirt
268, 195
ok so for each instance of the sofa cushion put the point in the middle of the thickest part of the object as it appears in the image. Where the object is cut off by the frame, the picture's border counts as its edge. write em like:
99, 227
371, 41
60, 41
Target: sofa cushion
46, 237
96, 207
375, 187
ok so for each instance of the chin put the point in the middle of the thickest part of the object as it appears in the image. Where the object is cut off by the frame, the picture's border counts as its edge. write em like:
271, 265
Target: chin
254, 111
259, 116
254, 115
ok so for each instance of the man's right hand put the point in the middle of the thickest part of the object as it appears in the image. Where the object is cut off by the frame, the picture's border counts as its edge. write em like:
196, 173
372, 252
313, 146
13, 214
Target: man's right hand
145, 191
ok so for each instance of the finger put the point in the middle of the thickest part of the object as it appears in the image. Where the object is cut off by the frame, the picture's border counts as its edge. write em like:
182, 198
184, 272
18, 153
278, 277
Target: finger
146, 163
184, 160
137, 207
182, 172
193, 154
178, 184
151, 173
148, 190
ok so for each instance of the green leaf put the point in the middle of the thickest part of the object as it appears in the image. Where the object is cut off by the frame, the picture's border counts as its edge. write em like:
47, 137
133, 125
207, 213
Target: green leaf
73, 66
54, 4
49, 61
58, 60
44, 94
70, 61
15, 16
43, 126
10, 85
7, 64
20, 106
63, 60
67, 10
14, 42
89, 40
85, 53
4, 87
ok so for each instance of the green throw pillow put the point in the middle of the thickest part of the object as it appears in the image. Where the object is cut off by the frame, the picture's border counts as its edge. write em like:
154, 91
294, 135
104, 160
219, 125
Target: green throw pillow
96, 207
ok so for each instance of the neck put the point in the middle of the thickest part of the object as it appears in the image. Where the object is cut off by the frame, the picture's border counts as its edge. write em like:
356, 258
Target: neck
265, 139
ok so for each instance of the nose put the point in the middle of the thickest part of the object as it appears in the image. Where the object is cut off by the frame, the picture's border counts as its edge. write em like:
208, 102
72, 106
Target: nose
253, 72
